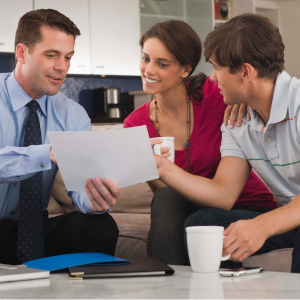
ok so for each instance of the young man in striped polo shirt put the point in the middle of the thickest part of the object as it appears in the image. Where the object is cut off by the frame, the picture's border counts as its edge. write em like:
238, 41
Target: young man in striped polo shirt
247, 54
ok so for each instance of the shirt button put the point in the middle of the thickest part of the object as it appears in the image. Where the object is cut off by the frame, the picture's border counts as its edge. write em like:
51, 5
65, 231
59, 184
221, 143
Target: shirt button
15, 183
12, 212
269, 140
42, 165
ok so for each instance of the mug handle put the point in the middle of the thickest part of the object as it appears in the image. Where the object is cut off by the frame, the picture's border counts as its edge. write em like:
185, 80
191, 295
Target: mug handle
157, 149
223, 258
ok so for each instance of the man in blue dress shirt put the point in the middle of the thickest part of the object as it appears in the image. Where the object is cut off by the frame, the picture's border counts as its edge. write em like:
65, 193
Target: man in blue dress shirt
44, 46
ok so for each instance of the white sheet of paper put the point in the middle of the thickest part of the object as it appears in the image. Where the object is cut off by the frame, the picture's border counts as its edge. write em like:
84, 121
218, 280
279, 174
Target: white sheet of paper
123, 155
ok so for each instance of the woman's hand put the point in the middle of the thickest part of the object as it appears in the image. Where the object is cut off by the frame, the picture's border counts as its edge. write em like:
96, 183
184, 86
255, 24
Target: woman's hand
165, 151
161, 165
232, 110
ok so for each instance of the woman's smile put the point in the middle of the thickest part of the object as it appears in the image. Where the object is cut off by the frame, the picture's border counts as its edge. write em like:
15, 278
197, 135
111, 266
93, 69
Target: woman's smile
151, 81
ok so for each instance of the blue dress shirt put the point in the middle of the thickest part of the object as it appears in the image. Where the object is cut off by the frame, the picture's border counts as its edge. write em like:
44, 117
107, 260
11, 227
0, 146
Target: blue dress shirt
56, 113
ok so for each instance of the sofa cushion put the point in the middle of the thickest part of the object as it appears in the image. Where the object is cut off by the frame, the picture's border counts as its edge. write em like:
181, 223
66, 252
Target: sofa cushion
133, 234
135, 199
134, 226
59, 202
274, 261
129, 248
101, 127
60, 195
54, 207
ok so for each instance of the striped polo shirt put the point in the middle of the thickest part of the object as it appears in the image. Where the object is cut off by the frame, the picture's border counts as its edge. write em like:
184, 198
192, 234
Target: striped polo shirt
273, 150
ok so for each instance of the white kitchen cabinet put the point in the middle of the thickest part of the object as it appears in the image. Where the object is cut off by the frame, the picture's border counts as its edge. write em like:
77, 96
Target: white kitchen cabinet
10, 13
115, 34
78, 12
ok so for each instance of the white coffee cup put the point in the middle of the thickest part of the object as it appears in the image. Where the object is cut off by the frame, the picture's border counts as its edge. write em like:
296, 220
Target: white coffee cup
205, 245
168, 141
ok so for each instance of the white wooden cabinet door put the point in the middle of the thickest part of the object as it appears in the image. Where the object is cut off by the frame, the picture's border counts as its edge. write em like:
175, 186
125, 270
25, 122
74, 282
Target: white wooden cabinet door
115, 34
10, 13
78, 12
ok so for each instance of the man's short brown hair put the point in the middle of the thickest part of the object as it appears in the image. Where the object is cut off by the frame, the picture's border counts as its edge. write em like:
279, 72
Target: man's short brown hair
247, 38
29, 27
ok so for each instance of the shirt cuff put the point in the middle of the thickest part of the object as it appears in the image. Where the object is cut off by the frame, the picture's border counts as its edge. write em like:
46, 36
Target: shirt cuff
40, 158
82, 203
91, 212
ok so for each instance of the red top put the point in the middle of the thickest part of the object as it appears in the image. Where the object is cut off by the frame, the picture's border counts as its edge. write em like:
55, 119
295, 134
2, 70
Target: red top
205, 143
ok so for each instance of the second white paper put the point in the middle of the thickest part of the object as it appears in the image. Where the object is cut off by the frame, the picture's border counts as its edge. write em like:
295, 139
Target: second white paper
123, 155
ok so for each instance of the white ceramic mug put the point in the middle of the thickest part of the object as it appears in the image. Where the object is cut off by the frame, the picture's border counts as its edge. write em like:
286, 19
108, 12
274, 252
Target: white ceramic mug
168, 141
205, 245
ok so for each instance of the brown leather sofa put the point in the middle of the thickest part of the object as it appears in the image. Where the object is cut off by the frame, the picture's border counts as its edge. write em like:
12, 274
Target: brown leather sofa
132, 215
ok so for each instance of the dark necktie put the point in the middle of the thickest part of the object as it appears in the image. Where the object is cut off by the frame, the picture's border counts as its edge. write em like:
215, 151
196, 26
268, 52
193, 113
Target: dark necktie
30, 242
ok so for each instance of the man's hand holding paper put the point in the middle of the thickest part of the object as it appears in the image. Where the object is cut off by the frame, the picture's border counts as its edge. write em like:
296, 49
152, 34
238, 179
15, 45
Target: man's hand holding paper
102, 195
106, 198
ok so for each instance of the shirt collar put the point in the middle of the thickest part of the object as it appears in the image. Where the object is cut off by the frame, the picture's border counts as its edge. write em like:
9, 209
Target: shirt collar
280, 98
278, 108
19, 98
255, 122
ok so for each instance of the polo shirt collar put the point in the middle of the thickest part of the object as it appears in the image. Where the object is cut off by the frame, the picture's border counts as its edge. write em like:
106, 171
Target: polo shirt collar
19, 98
280, 98
255, 122
278, 108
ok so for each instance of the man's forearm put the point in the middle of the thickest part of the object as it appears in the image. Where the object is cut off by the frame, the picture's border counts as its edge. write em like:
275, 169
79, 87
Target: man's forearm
200, 190
20, 163
282, 219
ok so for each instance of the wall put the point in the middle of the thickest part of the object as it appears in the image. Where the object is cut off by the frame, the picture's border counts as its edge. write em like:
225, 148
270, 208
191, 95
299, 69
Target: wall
290, 28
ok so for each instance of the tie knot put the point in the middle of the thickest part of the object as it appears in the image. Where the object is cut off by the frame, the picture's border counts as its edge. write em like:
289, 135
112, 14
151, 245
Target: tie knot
33, 105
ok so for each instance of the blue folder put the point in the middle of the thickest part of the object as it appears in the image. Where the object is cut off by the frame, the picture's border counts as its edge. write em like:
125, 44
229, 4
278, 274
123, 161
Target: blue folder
53, 263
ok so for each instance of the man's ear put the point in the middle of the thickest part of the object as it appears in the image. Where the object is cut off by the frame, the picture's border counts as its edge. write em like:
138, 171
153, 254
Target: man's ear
186, 71
248, 72
21, 50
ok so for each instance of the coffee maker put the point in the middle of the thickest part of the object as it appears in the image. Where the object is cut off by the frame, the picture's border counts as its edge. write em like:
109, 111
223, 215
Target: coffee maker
108, 105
